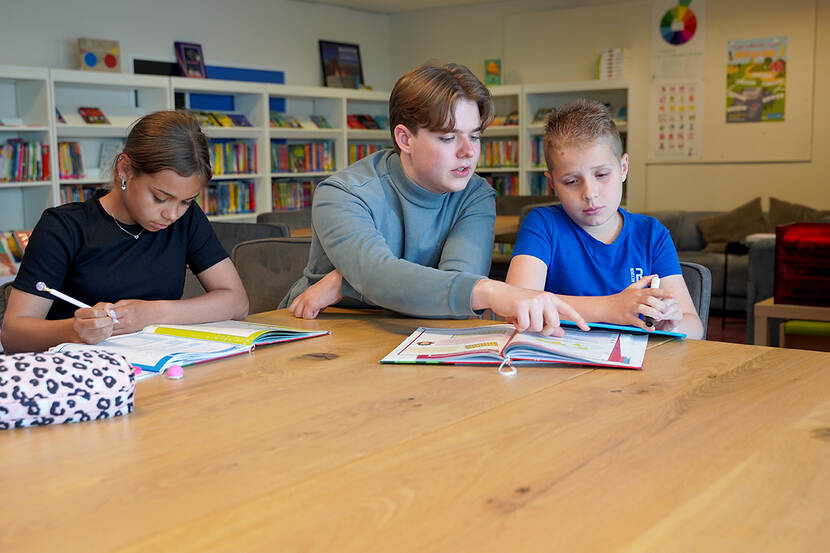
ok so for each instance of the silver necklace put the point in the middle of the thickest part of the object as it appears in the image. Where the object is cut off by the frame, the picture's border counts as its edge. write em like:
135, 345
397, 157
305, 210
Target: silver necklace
125, 230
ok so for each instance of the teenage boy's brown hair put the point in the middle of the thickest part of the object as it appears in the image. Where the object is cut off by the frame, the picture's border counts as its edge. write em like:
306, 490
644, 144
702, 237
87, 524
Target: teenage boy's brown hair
425, 98
577, 123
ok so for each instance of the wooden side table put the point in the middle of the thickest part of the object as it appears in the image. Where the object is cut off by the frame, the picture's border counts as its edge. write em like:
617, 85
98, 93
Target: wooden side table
767, 309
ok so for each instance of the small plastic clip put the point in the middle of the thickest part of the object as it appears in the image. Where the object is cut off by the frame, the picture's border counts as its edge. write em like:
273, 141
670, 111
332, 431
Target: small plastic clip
510, 372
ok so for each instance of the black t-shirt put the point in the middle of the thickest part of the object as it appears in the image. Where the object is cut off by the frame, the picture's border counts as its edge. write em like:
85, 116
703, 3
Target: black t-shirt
78, 249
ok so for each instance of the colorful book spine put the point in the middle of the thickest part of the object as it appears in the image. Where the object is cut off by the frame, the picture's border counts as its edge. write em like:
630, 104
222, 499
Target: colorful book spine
70, 161
499, 153
228, 198
76, 193
233, 157
505, 185
24, 161
303, 157
537, 151
539, 185
359, 150
290, 194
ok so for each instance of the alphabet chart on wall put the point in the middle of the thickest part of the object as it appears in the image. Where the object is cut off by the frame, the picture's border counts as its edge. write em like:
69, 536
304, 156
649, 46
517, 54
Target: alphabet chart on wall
676, 120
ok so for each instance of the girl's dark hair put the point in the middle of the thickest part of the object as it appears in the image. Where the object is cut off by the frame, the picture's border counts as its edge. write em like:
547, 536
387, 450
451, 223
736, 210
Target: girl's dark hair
168, 140
425, 98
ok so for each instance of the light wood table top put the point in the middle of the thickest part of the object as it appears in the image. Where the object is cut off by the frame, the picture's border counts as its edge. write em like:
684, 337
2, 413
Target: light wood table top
315, 446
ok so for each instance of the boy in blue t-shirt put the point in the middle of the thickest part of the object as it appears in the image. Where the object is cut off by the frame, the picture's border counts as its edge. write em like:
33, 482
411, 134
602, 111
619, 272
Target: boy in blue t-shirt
587, 250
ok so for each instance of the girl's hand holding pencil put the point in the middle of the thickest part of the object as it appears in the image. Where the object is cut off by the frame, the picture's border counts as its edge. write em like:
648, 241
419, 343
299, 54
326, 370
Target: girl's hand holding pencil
92, 324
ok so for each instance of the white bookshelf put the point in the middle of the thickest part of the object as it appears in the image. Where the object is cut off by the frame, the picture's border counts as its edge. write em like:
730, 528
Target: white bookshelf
123, 98
507, 99
248, 99
29, 96
25, 104
616, 93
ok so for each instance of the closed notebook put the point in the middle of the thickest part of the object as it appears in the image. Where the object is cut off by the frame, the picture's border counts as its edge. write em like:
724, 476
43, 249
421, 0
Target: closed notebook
503, 344
156, 347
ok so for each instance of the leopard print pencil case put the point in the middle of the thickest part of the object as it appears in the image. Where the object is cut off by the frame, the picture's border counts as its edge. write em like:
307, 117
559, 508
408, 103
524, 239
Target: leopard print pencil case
37, 389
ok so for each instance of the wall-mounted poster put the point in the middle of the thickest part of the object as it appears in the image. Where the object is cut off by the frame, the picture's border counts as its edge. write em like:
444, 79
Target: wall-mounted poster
677, 39
756, 78
341, 63
677, 120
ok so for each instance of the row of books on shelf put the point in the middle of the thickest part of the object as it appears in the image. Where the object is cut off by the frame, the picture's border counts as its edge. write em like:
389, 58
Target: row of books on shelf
303, 157
70, 161
228, 197
537, 151
366, 121
76, 193
228, 157
22, 161
290, 194
499, 153
505, 185
359, 150
219, 119
12, 245
285, 120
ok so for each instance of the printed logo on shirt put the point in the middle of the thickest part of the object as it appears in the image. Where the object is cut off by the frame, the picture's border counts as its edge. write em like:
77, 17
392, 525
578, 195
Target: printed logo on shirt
636, 273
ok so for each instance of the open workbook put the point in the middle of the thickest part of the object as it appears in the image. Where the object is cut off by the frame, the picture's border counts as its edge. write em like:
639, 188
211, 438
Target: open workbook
605, 345
157, 347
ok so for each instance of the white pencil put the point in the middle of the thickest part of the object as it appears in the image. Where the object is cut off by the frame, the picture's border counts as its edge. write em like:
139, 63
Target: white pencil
69, 299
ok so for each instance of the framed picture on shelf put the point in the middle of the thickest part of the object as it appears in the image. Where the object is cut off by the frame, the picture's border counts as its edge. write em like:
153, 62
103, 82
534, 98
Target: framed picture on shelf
191, 60
341, 64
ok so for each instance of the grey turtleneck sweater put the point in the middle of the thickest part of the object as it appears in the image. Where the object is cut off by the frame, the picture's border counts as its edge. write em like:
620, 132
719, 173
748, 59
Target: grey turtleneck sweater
398, 245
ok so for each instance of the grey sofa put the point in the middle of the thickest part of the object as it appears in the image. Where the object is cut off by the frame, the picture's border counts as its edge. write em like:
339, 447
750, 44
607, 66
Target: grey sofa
749, 277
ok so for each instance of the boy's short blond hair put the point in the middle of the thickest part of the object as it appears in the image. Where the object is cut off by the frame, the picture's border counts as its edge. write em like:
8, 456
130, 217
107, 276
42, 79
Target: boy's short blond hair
578, 123
425, 98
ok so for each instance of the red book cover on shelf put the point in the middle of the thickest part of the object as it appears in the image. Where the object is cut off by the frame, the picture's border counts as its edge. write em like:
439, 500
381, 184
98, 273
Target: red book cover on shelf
93, 116
354, 122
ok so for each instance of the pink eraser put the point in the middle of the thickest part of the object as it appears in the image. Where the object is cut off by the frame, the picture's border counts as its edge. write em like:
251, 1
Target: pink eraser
136, 370
175, 371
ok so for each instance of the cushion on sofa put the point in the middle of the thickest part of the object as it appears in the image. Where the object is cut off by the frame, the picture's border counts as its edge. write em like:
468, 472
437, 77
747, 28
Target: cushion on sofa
682, 225
782, 212
732, 226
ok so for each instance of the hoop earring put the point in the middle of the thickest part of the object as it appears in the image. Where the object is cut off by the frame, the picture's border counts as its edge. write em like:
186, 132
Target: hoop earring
123, 183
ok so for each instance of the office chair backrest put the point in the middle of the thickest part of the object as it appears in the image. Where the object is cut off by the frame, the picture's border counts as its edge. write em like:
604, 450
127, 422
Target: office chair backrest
295, 219
5, 292
230, 234
699, 282
268, 267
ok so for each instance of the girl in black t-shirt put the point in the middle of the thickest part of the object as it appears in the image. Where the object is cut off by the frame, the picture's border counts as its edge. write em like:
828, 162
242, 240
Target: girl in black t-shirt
126, 250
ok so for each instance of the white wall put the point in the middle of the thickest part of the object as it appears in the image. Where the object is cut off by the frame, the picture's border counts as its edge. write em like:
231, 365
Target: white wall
540, 44
270, 34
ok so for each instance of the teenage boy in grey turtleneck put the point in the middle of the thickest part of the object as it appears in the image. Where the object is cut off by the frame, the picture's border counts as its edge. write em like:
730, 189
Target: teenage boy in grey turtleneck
411, 230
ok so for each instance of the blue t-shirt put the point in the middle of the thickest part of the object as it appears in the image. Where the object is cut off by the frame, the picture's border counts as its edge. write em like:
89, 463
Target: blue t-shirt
580, 265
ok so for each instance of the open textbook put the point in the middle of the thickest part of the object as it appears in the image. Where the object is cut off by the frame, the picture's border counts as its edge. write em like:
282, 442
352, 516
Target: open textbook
605, 345
157, 347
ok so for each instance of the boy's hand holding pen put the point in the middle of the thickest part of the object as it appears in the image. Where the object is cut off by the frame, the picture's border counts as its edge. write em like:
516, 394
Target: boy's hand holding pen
643, 297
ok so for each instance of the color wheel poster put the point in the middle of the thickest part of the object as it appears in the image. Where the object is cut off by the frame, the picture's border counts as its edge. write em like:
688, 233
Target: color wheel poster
677, 120
756, 78
677, 39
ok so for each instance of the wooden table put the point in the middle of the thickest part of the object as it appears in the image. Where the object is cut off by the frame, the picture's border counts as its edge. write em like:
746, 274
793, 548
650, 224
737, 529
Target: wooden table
314, 446
766, 310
